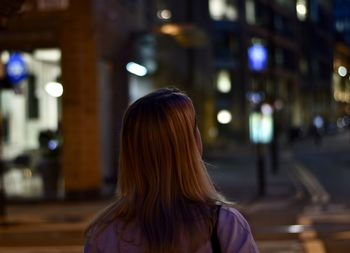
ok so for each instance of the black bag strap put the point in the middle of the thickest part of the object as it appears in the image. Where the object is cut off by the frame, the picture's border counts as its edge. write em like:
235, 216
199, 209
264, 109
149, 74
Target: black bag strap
215, 244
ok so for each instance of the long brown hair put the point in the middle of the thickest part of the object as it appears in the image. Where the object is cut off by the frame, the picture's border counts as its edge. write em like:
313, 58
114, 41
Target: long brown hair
163, 185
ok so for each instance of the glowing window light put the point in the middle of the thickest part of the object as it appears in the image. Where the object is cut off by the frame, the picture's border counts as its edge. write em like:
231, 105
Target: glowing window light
217, 9
53, 55
5, 56
221, 9
301, 9
136, 69
224, 117
224, 81
54, 89
231, 13
250, 11
342, 71
170, 29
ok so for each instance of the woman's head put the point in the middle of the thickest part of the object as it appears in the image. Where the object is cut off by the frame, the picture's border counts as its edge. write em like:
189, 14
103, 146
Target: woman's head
163, 184
160, 156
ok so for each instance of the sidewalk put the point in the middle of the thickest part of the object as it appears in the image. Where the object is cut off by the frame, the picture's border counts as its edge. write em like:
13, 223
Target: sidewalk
46, 228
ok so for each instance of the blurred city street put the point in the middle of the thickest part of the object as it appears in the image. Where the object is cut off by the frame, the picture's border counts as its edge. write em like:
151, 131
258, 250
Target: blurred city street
269, 81
305, 208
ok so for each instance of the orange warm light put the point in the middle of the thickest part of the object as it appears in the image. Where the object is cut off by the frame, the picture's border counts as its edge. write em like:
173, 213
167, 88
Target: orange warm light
170, 29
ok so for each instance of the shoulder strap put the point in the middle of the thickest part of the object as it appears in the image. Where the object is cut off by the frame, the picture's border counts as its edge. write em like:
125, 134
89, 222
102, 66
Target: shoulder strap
215, 244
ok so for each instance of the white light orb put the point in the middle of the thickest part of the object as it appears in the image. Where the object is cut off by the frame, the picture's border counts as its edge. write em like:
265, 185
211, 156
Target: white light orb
342, 71
224, 117
54, 89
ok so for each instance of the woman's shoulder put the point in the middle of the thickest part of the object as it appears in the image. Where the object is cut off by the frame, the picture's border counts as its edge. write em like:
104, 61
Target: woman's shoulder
100, 236
234, 232
113, 236
230, 216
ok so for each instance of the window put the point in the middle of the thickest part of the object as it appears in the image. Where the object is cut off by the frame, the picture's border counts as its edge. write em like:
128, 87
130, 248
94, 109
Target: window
223, 83
223, 10
250, 11
301, 8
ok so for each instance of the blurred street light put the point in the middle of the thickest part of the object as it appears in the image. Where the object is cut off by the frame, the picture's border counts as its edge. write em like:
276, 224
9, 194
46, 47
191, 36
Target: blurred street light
301, 9
342, 71
54, 89
223, 81
164, 14
136, 69
266, 109
187, 35
257, 57
224, 117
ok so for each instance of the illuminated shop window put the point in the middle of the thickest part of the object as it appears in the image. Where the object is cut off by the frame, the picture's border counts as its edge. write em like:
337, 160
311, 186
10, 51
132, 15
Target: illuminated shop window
38, 107
223, 10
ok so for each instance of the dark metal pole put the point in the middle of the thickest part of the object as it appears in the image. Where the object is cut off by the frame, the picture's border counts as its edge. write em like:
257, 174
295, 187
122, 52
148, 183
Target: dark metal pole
274, 147
260, 170
2, 185
2, 192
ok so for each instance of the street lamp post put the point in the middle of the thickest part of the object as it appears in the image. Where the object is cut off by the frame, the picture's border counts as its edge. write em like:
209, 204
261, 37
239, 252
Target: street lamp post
2, 193
274, 147
260, 170
261, 132
2, 185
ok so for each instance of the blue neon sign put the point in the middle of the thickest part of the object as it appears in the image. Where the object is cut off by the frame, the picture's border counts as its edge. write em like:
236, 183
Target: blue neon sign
257, 57
16, 69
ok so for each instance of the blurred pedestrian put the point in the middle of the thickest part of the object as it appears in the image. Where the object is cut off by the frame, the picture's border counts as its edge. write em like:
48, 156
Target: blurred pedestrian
165, 199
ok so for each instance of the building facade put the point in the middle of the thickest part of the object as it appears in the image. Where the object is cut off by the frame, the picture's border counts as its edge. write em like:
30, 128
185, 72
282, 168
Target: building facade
231, 56
290, 70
